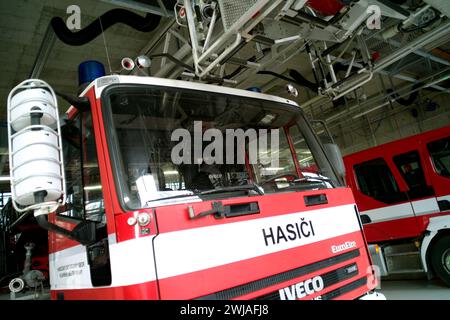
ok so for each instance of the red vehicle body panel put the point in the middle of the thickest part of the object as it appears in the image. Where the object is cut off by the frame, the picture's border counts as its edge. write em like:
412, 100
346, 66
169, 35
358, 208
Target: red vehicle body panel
392, 224
167, 261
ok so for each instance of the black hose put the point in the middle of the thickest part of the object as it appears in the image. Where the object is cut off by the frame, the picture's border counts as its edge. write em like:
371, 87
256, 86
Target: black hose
174, 60
301, 80
80, 103
280, 76
420, 27
240, 68
412, 97
108, 19
234, 73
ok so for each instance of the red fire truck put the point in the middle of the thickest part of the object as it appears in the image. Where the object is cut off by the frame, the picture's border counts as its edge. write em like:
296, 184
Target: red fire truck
126, 222
402, 190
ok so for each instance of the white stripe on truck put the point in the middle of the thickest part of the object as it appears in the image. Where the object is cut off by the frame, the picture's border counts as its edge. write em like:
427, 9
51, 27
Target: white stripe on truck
180, 252
405, 210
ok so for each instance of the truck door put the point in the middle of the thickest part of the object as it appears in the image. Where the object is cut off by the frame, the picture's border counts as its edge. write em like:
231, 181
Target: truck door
75, 265
421, 193
437, 153
383, 201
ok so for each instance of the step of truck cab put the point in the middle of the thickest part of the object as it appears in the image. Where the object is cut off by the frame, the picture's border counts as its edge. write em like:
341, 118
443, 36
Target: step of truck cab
403, 259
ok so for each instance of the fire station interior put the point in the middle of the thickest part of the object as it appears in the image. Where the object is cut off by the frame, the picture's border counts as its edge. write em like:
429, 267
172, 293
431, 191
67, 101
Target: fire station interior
371, 76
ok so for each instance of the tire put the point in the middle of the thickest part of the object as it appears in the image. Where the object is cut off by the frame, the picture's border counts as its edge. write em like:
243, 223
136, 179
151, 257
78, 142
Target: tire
440, 259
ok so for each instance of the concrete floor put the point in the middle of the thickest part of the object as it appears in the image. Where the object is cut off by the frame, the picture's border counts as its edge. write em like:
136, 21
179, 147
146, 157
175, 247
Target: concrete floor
414, 290
393, 290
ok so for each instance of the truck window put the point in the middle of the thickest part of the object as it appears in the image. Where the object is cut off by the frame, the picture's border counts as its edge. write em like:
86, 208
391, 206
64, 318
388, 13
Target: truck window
375, 180
72, 166
169, 144
92, 187
84, 190
440, 155
305, 159
265, 172
411, 170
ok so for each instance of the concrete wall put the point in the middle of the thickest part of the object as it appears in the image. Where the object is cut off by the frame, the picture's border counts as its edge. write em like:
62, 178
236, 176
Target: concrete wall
391, 123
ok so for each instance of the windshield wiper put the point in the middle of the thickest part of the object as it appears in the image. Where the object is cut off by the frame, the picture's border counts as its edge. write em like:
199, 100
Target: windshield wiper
244, 187
175, 197
311, 179
307, 183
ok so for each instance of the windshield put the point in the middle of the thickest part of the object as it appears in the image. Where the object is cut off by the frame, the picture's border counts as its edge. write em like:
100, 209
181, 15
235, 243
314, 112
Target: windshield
172, 145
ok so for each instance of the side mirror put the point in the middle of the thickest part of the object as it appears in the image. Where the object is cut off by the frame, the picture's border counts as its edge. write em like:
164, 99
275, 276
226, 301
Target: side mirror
85, 232
332, 150
335, 156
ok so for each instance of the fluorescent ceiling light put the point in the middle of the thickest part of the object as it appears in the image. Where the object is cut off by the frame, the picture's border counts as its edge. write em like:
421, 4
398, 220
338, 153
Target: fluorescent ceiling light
170, 172
90, 188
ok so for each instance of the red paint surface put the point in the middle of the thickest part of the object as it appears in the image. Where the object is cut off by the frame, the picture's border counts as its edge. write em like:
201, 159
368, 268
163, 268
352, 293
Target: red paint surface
326, 7
200, 283
405, 227
175, 218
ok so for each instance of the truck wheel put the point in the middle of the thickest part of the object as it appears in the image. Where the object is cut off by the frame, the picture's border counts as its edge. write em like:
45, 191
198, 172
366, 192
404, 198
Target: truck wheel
440, 259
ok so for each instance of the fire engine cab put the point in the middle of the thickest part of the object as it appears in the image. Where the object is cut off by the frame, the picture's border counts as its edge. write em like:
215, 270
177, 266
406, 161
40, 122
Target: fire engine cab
126, 221
402, 190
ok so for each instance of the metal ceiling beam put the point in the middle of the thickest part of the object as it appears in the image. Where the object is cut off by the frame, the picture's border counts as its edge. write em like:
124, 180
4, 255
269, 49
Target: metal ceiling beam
180, 55
413, 46
161, 31
419, 52
160, 10
46, 47
374, 101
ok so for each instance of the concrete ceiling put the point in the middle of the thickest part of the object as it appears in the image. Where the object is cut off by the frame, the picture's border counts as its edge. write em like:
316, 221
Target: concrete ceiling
23, 24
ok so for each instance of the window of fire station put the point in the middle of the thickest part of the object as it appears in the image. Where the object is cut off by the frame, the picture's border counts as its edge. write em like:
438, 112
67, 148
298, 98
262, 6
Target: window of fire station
375, 180
411, 170
84, 190
171, 145
440, 154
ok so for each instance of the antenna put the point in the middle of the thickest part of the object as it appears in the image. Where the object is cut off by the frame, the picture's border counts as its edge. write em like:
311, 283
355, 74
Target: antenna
106, 47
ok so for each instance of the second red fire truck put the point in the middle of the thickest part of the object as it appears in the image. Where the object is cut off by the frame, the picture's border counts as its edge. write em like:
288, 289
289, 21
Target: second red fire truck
402, 190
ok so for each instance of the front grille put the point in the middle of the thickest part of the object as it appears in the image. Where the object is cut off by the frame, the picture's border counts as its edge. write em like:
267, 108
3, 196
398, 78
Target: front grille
345, 289
329, 279
280, 277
